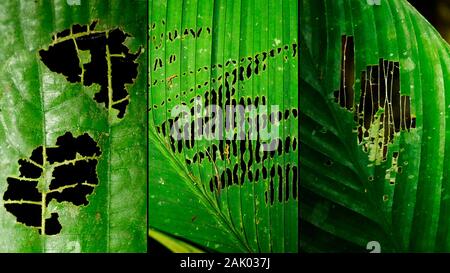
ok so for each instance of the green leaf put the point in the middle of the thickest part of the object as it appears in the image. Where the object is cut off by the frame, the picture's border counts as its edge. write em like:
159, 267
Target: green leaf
38, 105
366, 177
226, 195
173, 244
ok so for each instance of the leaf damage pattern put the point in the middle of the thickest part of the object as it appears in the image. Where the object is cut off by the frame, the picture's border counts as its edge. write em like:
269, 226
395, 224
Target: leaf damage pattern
88, 56
65, 172
382, 112
239, 159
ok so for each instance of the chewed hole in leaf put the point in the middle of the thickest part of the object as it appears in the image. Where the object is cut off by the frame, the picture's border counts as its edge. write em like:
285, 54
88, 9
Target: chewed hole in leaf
88, 56
381, 106
382, 111
65, 172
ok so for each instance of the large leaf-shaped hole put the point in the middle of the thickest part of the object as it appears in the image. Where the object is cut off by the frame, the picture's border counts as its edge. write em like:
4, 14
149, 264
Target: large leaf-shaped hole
382, 111
65, 172
88, 56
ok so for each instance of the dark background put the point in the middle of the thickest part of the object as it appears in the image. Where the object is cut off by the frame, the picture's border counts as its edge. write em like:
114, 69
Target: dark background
437, 12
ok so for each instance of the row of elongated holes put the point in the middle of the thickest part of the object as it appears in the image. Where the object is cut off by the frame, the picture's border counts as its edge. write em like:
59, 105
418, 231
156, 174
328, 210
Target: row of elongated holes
224, 149
225, 94
255, 63
283, 181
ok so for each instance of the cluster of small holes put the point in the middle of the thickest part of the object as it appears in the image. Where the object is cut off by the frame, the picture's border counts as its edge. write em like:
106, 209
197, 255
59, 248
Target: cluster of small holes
237, 148
244, 158
255, 66
173, 35
247, 66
